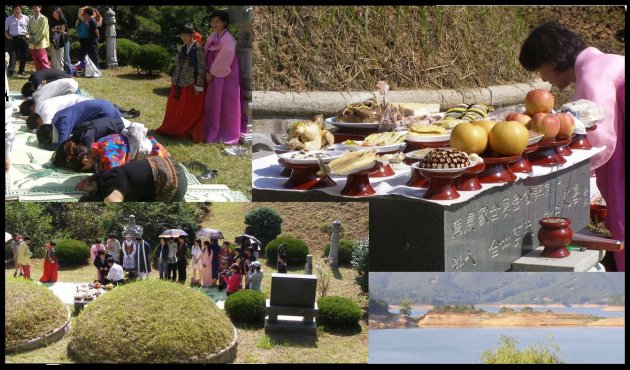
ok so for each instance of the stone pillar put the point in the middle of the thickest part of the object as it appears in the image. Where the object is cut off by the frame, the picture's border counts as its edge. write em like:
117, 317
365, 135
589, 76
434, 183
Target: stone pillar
308, 269
242, 17
333, 257
110, 38
133, 229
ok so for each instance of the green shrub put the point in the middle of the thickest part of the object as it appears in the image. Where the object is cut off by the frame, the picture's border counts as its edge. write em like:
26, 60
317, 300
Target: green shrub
346, 246
72, 252
263, 223
125, 49
31, 311
505, 309
246, 307
151, 58
527, 309
508, 353
335, 311
296, 250
170, 323
360, 263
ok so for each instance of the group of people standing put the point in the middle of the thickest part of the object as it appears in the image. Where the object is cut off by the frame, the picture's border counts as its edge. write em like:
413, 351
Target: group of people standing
22, 259
113, 259
204, 101
37, 34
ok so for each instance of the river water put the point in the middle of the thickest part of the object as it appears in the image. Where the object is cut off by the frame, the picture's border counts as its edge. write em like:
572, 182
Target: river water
578, 345
597, 311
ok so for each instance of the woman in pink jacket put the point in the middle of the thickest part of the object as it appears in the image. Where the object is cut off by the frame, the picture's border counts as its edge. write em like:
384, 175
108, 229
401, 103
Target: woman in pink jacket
222, 120
561, 57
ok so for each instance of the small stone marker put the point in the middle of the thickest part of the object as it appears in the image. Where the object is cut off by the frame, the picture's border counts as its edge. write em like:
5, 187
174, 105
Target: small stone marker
333, 256
110, 38
308, 269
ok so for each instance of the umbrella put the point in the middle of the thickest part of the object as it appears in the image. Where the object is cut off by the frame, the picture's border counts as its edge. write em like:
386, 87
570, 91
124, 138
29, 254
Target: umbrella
210, 234
173, 233
7, 236
250, 240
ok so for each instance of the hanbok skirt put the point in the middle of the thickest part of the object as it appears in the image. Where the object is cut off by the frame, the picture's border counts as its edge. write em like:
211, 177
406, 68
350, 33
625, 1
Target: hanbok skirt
184, 116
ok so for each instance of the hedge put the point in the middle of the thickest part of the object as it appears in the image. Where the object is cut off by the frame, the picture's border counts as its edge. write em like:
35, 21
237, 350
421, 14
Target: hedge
125, 49
295, 251
151, 58
246, 306
335, 311
346, 246
72, 252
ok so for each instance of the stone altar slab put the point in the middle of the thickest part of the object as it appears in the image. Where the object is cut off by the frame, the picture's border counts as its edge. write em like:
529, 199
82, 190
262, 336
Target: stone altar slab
577, 261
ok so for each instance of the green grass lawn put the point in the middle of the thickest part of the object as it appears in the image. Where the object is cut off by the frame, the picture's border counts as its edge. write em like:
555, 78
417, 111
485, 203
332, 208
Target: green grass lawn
124, 87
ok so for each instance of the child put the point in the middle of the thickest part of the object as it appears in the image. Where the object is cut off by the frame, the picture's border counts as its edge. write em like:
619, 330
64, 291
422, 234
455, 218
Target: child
102, 268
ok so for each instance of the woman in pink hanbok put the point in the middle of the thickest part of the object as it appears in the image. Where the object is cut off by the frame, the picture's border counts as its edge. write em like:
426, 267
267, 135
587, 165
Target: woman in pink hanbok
562, 57
222, 121
206, 265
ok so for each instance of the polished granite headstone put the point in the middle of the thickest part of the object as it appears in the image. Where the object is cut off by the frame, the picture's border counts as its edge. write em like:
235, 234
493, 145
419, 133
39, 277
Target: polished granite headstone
486, 233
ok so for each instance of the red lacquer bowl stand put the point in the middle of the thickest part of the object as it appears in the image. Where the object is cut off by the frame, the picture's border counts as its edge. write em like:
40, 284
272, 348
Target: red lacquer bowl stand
548, 153
304, 177
522, 165
441, 185
358, 184
580, 141
565, 150
417, 180
555, 234
384, 170
468, 181
498, 170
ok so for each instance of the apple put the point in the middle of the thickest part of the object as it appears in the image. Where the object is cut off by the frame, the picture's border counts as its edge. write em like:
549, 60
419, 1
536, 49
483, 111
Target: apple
487, 124
546, 124
539, 101
519, 117
567, 125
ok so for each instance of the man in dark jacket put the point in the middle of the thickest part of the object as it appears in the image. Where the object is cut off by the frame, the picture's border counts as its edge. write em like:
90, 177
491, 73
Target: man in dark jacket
182, 259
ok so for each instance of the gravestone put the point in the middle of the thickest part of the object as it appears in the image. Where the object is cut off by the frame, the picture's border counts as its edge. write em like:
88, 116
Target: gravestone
308, 269
485, 233
110, 38
333, 256
292, 306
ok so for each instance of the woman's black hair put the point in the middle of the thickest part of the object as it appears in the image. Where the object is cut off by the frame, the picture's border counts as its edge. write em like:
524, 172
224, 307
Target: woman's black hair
31, 121
187, 28
75, 161
91, 197
61, 15
89, 11
44, 135
100, 252
222, 15
58, 158
25, 107
551, 43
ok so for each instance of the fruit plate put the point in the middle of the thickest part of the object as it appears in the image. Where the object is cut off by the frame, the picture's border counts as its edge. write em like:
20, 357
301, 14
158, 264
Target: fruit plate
439, 171
378, 149
534, 140
356, 125
412, 155
428, 138
326, 155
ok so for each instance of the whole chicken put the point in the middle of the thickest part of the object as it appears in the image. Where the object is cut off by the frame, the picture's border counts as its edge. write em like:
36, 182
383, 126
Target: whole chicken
309, 135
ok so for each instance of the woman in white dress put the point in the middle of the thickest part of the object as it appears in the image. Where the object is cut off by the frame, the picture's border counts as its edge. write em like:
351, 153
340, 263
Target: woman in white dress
196, 262
129, 255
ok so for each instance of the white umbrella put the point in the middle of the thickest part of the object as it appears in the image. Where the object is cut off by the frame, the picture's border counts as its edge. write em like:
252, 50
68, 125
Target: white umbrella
7, 236
208, 233
172, 233
251, 240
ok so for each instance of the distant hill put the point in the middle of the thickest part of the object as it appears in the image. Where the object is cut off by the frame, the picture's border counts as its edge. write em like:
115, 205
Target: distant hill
500, 287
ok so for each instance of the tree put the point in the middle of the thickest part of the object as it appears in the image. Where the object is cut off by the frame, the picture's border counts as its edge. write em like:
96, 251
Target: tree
264, 223
30, 219
405, 307
508, 353
360, 263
